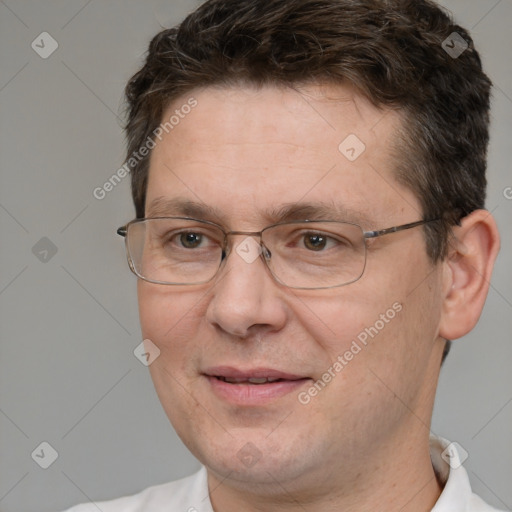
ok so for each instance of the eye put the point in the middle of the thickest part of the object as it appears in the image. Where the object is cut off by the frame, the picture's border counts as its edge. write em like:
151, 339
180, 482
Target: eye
190, 240
315, 241
318, 241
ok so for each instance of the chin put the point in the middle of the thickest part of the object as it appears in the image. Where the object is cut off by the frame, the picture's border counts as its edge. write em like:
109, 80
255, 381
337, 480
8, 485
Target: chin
248, 458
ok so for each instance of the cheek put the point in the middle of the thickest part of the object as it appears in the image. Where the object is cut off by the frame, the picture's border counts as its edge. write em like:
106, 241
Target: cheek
169, 318
379, 323
347, 318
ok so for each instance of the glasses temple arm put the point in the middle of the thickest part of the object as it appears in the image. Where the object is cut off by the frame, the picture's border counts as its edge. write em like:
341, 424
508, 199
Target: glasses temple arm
394, 229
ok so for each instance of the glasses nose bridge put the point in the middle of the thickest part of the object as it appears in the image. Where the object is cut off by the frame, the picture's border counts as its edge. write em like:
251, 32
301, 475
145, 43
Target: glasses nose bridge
247, 233
265, 250
241, 233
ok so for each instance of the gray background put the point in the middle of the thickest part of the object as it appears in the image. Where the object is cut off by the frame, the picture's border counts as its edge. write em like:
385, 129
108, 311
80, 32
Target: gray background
69, 325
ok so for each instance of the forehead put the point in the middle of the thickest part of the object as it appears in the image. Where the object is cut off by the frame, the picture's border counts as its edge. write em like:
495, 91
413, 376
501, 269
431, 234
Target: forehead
245, 152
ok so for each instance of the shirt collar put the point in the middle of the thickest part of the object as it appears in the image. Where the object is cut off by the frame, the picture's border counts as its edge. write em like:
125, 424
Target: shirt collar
447, 464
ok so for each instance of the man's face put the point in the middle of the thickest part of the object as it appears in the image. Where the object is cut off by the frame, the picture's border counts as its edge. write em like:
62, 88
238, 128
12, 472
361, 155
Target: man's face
244, 152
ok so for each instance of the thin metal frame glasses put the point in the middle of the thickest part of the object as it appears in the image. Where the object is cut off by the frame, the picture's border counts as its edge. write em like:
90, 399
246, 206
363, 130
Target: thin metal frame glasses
302, 254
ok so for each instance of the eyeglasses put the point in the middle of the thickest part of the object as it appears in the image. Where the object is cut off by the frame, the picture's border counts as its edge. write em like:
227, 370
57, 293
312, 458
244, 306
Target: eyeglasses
299, 254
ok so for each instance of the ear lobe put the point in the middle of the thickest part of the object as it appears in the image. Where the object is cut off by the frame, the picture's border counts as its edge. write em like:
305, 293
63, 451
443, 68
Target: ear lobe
467, 273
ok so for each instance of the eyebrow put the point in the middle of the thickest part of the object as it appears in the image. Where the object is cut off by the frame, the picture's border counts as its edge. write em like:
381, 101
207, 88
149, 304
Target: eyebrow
183, 207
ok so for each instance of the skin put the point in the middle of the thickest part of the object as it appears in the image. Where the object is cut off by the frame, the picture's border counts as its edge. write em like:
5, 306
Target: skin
362, 442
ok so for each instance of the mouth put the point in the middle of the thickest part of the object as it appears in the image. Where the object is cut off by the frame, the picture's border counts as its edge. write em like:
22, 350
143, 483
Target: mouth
255, 386
250, 380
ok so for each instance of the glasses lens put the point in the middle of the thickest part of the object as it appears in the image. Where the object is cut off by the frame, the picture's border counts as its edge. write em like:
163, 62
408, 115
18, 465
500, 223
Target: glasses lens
174, 251
302, 254
316, 254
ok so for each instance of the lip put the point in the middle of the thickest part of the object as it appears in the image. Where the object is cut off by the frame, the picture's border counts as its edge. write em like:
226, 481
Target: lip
252, 394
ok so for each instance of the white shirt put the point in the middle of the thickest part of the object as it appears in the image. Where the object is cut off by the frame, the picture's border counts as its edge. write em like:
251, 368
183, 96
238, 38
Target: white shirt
191, 494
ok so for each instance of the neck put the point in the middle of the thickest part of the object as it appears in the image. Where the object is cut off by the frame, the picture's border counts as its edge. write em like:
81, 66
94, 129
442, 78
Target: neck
399, 477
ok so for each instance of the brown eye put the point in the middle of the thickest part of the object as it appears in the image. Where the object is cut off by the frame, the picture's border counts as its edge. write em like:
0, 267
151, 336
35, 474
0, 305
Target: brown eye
191, 240
315, 242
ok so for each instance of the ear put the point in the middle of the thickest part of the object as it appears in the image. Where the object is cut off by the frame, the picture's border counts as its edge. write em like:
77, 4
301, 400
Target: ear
467, 273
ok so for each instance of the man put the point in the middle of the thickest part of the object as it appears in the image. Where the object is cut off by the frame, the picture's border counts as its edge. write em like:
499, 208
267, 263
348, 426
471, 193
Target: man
309, 184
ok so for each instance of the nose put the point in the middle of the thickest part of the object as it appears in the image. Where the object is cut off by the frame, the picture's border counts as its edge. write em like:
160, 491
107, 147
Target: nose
245, 299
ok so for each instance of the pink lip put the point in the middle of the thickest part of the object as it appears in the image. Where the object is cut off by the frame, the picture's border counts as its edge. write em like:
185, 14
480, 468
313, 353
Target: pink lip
252, 394
235, 373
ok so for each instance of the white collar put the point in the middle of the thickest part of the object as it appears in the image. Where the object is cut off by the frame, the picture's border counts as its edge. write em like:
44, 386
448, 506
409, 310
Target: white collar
450, 471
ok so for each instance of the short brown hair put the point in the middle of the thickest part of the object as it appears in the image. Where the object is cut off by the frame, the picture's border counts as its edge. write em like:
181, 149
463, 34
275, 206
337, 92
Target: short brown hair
391, 50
